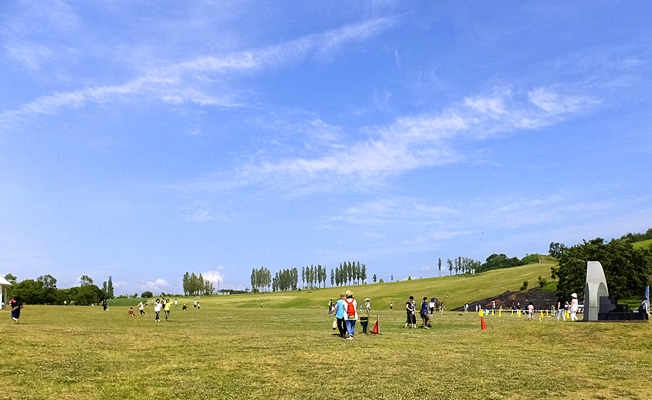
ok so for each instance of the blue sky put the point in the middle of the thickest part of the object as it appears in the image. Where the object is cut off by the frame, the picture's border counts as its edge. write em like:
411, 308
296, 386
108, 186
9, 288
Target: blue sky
144, 139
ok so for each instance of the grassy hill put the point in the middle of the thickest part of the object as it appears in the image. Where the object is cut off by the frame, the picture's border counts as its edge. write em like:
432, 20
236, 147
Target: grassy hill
459, 289
640, 245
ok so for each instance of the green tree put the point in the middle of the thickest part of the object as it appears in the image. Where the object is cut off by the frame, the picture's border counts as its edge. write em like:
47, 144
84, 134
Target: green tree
29, 291
556, 250
542, 281
626, 269
110, 294
49, 288
85, 280
87, 294
374, 278
147, 294
439, 267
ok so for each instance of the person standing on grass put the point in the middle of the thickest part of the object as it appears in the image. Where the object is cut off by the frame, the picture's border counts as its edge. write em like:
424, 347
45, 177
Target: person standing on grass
351, 313
15, 305
561, 312
167, 309
574, 306
157, 310
339, 314
425, 306
411, 318
391, 305
105, 304
141, 308
330, 307
530, 311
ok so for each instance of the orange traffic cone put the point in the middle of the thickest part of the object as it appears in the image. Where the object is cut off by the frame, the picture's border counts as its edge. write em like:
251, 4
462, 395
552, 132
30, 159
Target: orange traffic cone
482, 323
375, 331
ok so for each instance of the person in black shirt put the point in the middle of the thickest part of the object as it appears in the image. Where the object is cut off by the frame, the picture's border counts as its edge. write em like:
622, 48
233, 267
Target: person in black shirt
411, 317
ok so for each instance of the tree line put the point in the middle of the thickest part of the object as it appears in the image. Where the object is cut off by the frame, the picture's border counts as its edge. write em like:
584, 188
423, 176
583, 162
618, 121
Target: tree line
44, 290
196, 285
313, 276
261, 278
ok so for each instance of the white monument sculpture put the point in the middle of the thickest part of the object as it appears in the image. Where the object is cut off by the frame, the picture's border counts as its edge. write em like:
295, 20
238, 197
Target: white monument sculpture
596, 287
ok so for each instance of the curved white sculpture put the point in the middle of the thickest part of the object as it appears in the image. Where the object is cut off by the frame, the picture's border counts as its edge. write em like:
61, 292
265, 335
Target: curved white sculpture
596, 287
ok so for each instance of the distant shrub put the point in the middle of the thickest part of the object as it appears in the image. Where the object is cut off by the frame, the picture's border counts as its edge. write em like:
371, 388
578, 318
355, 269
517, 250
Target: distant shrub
542, 281
525, 284
530, 259
147, 294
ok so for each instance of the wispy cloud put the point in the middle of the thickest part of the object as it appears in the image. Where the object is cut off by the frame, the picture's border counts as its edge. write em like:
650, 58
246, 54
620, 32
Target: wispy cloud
201, 213
426, 140
201, 80
393, 211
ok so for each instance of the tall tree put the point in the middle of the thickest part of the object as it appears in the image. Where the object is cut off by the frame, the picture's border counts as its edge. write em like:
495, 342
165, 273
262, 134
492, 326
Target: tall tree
110, 293
49, 285
440, 267
85, 280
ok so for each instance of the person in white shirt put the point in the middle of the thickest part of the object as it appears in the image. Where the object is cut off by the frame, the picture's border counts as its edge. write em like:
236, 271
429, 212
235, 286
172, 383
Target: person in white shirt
575, 305
350, 314
157, 310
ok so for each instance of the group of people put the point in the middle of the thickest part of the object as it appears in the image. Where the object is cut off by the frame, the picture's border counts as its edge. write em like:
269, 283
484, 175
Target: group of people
424, 312
346, 314
162, 304
571, 307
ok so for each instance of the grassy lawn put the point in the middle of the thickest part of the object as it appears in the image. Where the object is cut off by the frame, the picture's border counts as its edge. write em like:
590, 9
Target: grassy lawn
228, 352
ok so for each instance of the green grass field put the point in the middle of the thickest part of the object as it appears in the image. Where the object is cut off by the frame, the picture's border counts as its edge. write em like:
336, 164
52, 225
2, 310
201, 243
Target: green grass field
233, 349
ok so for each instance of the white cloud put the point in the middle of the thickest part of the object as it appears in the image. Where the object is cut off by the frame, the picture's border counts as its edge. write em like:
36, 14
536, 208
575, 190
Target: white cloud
555, 103
188, 81
155, 286
214, 277
392, 211
29, 54
425, 140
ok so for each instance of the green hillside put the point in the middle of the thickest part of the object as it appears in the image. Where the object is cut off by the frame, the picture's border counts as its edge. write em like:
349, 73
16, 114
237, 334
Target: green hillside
459, 289
640, 245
